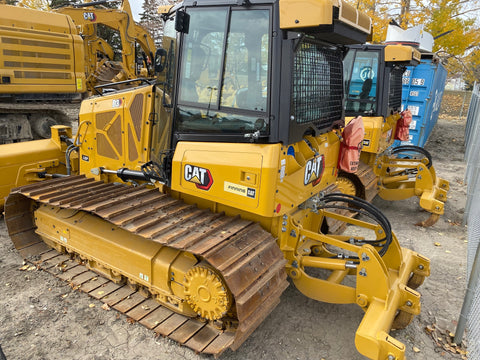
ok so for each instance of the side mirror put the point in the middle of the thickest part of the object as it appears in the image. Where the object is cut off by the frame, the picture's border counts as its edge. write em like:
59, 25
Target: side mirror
182, 22
160, 60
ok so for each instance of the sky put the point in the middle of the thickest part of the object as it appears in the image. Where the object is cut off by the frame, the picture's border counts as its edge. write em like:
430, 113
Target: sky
136, 6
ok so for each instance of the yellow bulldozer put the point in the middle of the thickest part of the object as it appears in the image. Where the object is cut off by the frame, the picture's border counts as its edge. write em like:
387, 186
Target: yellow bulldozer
373, 90
50, 61
207, 190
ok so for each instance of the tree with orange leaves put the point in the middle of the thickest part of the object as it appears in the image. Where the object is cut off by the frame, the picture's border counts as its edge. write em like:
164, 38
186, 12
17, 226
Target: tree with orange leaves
453, 24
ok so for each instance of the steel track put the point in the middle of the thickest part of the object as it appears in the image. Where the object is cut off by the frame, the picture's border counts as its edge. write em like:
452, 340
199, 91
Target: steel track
246, 256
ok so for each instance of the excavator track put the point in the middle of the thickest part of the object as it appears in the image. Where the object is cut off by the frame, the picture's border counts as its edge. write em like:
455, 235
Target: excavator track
246, 256
39, 115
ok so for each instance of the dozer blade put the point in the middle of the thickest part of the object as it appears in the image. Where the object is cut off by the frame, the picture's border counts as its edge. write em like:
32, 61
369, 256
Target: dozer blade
72, 213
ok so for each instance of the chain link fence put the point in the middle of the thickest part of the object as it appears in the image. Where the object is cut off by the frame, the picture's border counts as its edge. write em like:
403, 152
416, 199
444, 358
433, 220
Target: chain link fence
470, 315
472, 146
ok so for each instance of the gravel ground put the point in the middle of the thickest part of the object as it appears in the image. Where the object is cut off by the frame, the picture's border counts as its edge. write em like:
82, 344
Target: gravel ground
44, 318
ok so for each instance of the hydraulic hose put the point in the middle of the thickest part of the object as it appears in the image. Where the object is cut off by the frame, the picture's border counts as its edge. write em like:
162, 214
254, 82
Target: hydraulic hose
416, 149
363, 208
69, 151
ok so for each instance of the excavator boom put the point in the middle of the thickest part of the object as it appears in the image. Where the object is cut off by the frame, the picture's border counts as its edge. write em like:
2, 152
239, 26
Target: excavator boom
46, 63
121, 20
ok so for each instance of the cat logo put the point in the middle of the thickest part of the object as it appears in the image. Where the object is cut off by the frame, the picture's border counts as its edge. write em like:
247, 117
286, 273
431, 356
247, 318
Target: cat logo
314, 170
202, 178
89, 16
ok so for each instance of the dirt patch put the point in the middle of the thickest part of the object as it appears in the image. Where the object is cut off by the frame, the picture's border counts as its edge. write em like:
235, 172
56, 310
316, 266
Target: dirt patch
43, 318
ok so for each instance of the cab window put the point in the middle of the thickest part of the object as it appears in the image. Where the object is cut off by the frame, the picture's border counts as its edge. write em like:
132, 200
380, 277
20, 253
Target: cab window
224, 71
360, 73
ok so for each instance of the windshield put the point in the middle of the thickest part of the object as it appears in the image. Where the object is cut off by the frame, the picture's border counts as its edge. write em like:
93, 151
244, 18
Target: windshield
224, 72
360, 74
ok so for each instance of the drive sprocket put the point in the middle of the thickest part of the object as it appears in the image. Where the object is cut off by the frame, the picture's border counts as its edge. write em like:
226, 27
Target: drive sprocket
207, 293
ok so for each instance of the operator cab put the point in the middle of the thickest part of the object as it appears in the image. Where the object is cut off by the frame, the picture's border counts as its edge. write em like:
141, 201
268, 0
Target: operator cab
361, 74
242, 77
369, 70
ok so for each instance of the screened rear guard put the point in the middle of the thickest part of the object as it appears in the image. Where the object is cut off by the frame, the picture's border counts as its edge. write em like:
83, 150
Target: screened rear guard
395, 92
317, 86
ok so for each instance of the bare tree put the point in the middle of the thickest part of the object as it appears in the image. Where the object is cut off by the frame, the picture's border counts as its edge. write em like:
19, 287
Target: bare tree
151, 20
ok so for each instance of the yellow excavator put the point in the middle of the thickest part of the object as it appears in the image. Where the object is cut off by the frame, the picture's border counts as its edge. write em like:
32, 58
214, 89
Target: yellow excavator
105, 70
47, 67
206, 190
41, 63
373, 89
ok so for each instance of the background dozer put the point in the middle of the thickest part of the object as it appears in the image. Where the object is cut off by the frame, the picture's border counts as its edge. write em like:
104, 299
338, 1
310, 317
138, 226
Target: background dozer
205, 191
373, 78
47, 65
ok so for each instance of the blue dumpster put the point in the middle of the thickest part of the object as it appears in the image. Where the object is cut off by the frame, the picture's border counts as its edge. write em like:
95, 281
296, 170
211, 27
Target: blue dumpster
422, 93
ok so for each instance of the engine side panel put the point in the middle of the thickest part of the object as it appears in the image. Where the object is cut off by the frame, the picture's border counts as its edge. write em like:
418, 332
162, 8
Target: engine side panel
115, 130
21, 165
41, 52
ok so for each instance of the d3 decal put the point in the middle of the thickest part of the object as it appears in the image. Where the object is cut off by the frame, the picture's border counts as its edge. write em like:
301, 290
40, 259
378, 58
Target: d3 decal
116, 103
202, 178
314, 170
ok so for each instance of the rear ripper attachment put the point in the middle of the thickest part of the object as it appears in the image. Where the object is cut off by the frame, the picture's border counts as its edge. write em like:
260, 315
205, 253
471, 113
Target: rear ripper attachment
407, 171
220, 275
384, 274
